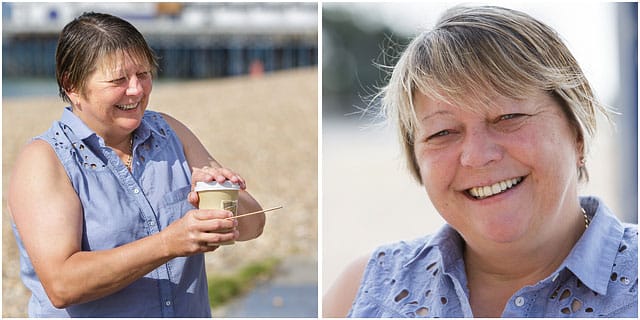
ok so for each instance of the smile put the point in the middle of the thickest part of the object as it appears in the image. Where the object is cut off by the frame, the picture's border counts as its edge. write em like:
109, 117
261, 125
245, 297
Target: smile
484, 192
126, 107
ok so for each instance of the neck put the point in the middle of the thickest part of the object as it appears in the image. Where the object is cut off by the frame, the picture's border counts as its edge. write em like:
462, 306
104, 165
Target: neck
121, 143
123, 148
498, 270
526, 258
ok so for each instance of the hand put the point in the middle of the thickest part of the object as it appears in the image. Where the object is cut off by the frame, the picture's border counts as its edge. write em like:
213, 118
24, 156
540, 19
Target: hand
199, 231
208, 174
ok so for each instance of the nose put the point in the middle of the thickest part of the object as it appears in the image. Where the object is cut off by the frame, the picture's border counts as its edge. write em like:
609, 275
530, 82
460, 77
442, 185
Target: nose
135, 86
480, 149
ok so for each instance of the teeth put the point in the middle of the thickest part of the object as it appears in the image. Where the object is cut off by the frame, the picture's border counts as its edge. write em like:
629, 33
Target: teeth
127, 106
496, 188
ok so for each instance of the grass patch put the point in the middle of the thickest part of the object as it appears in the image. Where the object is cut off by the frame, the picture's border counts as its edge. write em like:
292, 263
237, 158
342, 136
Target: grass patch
227, 287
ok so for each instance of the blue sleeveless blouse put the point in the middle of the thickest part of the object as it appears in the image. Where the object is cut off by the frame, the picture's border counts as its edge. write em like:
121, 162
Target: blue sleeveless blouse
120, 207
426, 277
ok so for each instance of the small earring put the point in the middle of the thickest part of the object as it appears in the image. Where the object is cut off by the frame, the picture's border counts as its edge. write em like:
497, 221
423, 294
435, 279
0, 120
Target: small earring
582, 162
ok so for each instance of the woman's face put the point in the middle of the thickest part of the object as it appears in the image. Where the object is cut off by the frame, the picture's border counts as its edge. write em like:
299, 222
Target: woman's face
500, 175
116, 95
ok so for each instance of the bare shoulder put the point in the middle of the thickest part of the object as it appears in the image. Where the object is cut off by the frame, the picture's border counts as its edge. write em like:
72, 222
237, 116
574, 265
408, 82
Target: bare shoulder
44, 205
337, 301
37, 169
195, 152
37, 158
186, 136
180, 128
170, 119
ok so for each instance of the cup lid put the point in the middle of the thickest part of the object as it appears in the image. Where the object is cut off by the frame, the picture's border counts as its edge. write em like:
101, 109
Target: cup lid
214, 185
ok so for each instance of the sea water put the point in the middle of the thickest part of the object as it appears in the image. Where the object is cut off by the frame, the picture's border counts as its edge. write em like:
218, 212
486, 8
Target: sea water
29, 87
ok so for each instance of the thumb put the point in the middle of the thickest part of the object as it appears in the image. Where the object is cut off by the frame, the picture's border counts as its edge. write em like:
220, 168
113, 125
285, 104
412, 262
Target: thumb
194, 199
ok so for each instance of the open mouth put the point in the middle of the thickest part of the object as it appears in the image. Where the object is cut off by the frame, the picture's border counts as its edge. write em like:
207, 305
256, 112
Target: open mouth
484, 192
125, 107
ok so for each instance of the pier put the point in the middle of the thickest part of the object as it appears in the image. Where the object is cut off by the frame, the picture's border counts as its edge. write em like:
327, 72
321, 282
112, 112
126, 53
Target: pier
192, 40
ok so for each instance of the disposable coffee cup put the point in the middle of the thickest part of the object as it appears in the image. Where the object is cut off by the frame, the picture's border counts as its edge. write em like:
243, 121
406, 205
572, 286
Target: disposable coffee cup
214, 195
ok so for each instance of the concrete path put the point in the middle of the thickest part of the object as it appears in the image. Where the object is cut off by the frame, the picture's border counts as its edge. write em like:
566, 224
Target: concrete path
292, 293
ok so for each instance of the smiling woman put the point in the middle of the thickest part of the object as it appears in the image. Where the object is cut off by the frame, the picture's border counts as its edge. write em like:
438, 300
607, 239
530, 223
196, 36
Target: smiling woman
527, 143
115, 229
127, 88
496, 118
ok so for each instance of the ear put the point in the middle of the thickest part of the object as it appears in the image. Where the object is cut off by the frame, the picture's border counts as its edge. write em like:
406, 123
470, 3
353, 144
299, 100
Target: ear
72, 93
580, 151
74, 97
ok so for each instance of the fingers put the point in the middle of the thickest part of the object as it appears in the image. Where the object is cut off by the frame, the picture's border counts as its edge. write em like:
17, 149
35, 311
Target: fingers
213, 220
208, 214
217, 231
194, 199
198, 231
217, 239
210, 228
220, 175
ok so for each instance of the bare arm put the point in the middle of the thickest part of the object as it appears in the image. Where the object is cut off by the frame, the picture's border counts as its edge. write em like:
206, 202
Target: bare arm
48, 215
198, 158
337, 301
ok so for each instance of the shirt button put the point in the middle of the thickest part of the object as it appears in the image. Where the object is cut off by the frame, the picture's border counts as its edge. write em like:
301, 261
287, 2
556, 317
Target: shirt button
136, 190
167, 303
519, 301
152, 223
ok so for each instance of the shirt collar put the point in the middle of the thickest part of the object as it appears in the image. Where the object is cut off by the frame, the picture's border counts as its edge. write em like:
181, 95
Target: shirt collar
592, 257
145, 129
449, 244
79, 128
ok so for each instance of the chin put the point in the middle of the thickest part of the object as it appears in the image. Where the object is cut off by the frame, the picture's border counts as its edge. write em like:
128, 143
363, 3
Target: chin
503, 231
130, 123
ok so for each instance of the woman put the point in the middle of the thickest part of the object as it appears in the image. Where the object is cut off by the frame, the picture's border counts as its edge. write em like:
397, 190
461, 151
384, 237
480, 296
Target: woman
495, 117
103, 203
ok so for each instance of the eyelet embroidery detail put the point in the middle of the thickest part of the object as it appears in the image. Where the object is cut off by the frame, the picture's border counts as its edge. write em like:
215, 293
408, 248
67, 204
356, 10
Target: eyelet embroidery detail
415, 286
566, 294
405, 299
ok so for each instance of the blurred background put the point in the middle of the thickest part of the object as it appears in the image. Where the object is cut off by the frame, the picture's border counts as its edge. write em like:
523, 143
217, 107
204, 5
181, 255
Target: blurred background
244, 78
368, 197
194, 40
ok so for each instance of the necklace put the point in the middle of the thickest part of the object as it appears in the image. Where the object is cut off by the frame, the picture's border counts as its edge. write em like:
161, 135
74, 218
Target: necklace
586, 218
130, 158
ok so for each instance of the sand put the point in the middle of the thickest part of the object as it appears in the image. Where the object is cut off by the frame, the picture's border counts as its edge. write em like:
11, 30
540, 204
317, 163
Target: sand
265, 128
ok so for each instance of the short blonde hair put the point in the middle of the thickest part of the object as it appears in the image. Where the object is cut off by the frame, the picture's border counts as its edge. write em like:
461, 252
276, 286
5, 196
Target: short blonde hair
474, 53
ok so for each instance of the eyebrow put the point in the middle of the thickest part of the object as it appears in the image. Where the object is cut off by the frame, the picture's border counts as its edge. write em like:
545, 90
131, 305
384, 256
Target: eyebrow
436, 113
110, 80
120, 73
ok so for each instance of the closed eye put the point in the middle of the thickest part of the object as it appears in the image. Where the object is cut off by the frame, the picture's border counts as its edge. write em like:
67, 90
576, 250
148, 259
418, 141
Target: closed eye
510, 122
143, 75
510, 116
118, 81
439, 134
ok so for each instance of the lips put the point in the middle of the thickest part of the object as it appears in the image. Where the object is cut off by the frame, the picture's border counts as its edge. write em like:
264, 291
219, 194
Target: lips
483, 192
126, 107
